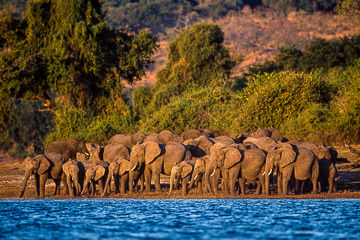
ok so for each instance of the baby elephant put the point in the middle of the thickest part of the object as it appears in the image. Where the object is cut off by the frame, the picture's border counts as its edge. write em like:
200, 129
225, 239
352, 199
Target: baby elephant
95, 175
119, 170
181, 171
75, 174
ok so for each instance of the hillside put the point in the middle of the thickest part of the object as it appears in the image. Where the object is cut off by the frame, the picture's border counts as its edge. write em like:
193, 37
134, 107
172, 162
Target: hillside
255, 36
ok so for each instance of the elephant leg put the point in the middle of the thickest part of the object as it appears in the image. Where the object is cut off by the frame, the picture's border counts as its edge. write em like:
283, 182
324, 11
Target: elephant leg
232, 181
63, 180
142, 179
147, 180
57, 186
215, 182
184, 183
70, 185
43, 179
279, 184
285, 184
122, 184
242, 186
117, 183
156, 177
93, 188
37, 182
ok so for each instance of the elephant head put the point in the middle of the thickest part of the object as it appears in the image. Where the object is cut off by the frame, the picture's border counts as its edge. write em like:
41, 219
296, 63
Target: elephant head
93, 175
222, 158
179, 171
280, 157
38, 165
95, 151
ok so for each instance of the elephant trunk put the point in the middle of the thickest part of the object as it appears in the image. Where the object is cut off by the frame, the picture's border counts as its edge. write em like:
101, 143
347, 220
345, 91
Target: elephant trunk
267, 173
131, 181
70, 185
27, 175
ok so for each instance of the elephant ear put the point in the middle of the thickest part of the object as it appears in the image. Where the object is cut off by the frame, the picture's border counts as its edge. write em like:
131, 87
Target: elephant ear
288, 156
99, 172
124, 167
232, 157
152, 151
205, 144
44, 164
186, 170
215, 147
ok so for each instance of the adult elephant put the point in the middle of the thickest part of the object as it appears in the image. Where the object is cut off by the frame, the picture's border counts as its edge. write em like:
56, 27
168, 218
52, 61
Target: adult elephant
191, 134
287, 160
200, 146
264, 143
119, 170
75, 175
68, 148
155, 158
272, 133
235, 163
181, 171
167, 136
95, 175
127, 140
327, 156
114, 152
44, 167
96, 152
227, 141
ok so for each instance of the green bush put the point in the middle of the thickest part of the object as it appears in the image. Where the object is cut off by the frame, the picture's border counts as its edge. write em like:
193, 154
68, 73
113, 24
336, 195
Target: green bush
271, 99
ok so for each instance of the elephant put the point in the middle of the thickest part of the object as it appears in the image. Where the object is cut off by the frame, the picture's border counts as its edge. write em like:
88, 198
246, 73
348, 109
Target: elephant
119, 170
44, 166
95, 175
264, 143
200, 146
96, 152
199, 173
156, 159
327, 170
237, 163
154, 137
127, 140
113, 152
191, 134
68, 148
167, 136
181, 171
272, 133
241, 137
287, 160
75, 174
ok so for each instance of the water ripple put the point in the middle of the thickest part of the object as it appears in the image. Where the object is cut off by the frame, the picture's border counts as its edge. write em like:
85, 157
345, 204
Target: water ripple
190, 219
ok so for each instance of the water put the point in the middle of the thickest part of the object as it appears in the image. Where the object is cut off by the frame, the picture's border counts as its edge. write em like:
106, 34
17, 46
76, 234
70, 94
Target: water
180, 219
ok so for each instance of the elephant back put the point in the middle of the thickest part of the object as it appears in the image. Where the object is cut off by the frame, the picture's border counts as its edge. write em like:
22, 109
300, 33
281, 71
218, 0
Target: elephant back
113, 152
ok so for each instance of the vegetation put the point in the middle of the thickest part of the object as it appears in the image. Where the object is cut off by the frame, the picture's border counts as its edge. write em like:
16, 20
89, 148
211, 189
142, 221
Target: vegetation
63, 53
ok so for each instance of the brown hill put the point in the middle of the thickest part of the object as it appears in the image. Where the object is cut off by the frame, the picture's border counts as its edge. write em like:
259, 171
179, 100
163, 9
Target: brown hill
255, 36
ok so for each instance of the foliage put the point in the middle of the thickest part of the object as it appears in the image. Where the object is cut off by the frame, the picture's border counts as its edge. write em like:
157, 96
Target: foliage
271, 99
319, 53
141, 97
350, 9
29, 125
64, 54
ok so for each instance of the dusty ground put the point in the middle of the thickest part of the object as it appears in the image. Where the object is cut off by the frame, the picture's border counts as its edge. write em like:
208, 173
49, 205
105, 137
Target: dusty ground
348, 183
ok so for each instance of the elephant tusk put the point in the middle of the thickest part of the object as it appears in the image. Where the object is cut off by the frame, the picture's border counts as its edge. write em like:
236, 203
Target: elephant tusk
87, 154
22, 178
263, 174
270, 172
212, 174
195, 177
133, 168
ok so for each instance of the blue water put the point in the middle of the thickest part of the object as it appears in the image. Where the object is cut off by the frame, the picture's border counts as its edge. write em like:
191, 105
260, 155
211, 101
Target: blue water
180, 219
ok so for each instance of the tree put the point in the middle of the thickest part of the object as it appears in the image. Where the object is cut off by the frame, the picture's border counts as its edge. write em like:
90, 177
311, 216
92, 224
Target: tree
62, 52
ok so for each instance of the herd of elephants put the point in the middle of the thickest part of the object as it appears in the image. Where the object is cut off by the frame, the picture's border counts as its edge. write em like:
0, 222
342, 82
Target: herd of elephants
200, 159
